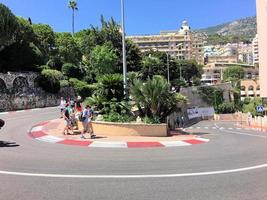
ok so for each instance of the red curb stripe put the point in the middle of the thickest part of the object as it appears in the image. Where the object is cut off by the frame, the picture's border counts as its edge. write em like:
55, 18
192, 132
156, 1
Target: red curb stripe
37, 134
193, 141
144, 144
76, 142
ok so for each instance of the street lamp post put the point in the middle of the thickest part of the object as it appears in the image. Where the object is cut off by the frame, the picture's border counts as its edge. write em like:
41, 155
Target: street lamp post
123, 50
168, 68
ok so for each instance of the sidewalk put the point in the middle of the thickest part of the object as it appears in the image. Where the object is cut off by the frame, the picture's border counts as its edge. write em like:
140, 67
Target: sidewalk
51, 131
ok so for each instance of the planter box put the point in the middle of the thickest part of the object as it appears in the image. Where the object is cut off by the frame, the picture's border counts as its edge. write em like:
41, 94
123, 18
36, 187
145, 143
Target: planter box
128, 129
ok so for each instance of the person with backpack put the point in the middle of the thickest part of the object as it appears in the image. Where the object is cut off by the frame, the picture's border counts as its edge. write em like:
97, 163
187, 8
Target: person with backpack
66, 116
86, 119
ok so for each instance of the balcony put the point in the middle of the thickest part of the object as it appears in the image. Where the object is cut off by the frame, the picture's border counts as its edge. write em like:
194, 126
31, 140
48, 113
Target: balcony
251, 93
243, 93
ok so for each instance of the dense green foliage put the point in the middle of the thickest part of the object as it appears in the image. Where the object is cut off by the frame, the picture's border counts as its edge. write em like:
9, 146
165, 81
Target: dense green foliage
8, 27
153, 98
233, 73
211, 95
73, 71
81, 88
49, 80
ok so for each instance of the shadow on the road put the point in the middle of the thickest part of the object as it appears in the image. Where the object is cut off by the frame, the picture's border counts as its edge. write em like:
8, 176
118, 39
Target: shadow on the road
8, 144
200, 133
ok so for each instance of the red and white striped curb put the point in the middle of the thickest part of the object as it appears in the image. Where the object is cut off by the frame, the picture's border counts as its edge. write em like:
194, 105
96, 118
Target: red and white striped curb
38, 133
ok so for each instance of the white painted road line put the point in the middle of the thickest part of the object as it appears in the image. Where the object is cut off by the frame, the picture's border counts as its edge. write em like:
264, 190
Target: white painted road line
240, 133
50, 139
203, 139
37, 128
136, 176
175, 143
109, 144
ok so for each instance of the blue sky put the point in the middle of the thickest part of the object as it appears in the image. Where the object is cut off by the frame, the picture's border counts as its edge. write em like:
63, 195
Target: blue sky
142, 16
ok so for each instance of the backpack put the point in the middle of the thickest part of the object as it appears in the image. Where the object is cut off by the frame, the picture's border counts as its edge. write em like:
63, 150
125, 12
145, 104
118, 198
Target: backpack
67, 113
81, 117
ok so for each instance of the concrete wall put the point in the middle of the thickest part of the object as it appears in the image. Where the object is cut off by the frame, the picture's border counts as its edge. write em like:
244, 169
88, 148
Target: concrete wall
129, 129
19, 91
195, 99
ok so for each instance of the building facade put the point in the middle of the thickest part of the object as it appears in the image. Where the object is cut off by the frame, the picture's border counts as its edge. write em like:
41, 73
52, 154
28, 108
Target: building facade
250, 89
182, 44
255, 46
262, 40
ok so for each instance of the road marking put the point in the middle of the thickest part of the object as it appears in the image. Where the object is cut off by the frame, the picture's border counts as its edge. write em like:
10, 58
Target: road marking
239, 133
3, 113
135, 176
175, 143
109, 144
37, 128
214, 128
50, 139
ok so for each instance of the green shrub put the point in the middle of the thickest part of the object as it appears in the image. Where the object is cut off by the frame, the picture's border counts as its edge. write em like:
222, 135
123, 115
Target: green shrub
116, 117
81, 87
50, 80
64, 83
226, 108
72, 70
151, 120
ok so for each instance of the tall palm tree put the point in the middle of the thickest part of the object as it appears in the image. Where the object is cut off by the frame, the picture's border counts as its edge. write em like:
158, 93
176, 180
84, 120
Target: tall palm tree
73, 5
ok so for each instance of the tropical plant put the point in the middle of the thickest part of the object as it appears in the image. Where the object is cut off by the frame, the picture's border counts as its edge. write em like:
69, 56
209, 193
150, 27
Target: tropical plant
153, 98
110, 87
73, 6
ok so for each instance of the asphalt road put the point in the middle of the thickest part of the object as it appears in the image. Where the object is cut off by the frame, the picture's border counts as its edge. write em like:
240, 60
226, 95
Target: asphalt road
178, 173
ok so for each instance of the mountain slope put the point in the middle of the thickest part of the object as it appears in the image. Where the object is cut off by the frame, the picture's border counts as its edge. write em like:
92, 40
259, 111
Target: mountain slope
242, 27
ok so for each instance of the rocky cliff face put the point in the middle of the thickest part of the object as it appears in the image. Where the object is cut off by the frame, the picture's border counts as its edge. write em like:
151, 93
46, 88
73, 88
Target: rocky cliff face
243, 27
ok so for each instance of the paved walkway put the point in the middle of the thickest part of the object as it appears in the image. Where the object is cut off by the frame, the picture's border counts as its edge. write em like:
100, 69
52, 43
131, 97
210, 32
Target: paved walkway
52, 132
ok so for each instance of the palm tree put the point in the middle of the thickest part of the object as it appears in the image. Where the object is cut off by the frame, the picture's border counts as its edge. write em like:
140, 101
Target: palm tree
73, 6
153, 98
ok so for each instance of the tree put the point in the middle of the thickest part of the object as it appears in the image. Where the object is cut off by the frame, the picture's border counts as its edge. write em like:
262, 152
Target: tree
103, 60
50, 80
73, 5
8, 27
233, 73
67, 48
72, 71
45, 38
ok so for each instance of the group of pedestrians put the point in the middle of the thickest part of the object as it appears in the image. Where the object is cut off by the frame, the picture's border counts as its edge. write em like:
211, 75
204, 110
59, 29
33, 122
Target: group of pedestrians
72, 111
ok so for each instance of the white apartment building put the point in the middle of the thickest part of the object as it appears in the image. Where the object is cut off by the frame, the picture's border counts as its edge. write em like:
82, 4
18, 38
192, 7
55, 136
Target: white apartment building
255, 46
182, 44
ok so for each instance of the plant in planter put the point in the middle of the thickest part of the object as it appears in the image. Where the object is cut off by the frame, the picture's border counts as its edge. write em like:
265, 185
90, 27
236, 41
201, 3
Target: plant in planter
154, 99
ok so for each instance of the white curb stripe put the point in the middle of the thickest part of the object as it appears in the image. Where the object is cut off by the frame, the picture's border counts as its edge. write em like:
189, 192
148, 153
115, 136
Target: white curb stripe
3, 113
203, 139
109, 144
175, 143
37, 128
50, 139
20, 111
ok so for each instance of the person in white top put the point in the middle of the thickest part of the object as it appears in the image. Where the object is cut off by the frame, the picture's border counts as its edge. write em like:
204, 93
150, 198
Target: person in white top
62, 106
